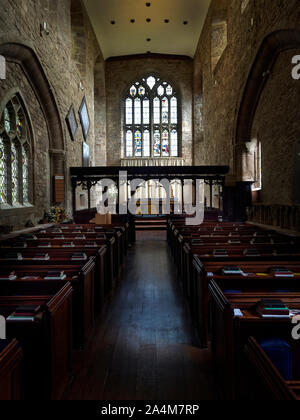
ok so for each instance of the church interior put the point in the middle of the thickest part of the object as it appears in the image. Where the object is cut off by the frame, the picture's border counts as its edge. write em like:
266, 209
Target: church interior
149, 200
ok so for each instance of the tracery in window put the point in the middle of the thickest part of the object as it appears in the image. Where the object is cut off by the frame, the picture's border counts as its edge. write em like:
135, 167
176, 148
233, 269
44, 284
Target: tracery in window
15, 155
151, 126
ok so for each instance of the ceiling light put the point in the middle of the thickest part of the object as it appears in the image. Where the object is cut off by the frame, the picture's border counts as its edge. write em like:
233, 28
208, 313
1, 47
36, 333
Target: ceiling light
185, 22
132, 20
148, 39
148, 20
167, 21
113, 22
148, 4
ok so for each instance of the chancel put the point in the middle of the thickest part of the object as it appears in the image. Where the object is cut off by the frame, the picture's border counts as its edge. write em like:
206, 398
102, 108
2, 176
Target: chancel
149, 202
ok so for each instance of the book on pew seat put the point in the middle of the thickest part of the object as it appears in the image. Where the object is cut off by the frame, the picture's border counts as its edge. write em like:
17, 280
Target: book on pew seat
64, 228
271, 308
101, 236
197, 242
45, 245
234, 242
10, 275
41, 257
79, 256
91, 245
59, 237
251, 252
234, 235
76, 232
68, 245
281, 272
99, 227
13, 256
220, 253
56, 275
218, 229
19, 244
24, 313
28, 237
91, 231
232, 271
30, 278
56, 231
80, 237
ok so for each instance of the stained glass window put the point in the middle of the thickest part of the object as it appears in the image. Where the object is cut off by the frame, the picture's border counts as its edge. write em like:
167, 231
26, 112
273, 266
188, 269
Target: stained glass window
165, 110
174, 143
14, 173
169, 90
165, 144
151, 82
7, 120
25, 175
156, 143
128, 111
3, 173
160, 91
137, 111
133, 91
129, 143
146, 143
19, 126
173, 111
15, 162
138, 143
146, 111
142, 91
151, 119
156, 111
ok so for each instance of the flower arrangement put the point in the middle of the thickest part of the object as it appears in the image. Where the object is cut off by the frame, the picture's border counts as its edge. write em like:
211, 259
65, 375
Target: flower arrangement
56, 215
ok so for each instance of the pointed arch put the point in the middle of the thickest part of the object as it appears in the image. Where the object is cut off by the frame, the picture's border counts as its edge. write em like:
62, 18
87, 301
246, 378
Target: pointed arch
152, 113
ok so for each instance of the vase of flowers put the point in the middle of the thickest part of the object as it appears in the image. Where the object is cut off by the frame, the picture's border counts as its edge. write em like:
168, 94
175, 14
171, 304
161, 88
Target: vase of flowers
56, 215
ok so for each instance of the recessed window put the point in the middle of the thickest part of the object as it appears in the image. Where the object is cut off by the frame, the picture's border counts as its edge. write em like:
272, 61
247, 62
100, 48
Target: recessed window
15, 155
151, 127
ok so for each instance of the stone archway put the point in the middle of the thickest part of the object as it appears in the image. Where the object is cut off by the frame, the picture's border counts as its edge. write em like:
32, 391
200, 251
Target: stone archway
27, 59
272, 46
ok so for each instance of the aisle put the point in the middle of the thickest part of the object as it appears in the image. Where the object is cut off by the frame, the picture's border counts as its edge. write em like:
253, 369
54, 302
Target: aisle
144, 346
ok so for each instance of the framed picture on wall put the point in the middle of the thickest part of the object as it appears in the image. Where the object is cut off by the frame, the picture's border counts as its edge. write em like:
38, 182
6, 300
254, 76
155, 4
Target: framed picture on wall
72, 123
84, 118
85, 155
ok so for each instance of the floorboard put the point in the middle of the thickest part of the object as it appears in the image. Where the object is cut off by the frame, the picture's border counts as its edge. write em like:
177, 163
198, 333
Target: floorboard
144, 346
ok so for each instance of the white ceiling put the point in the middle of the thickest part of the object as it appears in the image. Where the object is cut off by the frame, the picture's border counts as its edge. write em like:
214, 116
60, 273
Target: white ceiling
126, 38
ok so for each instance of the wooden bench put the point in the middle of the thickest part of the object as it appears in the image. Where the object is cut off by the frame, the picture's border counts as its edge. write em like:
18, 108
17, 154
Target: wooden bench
10, 370
46, 341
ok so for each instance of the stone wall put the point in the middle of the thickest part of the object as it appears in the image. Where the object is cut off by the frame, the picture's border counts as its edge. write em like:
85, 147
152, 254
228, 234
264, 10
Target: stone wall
70, 73
121, 73
218, 92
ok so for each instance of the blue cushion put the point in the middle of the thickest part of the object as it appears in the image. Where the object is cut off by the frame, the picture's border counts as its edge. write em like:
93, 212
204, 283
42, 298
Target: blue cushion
281, 355
3, 344
233, 291
282, 291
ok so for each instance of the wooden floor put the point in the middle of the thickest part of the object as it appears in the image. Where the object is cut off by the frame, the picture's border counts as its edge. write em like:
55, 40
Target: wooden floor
144, 347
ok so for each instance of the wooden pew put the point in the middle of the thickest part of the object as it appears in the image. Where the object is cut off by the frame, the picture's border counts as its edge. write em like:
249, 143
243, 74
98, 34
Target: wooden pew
64, 255
231, 332
82, 280
47, 340
10, 370
264, 382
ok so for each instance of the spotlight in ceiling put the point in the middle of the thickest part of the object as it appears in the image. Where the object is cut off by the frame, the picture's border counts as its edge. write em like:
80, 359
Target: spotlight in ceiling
167, 20
113, 22
148, 39
185, 22
148, 20
132, 20
148, 4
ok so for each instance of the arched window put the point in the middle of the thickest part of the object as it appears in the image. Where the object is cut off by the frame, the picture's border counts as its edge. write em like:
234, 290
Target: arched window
151, 127
15, 155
